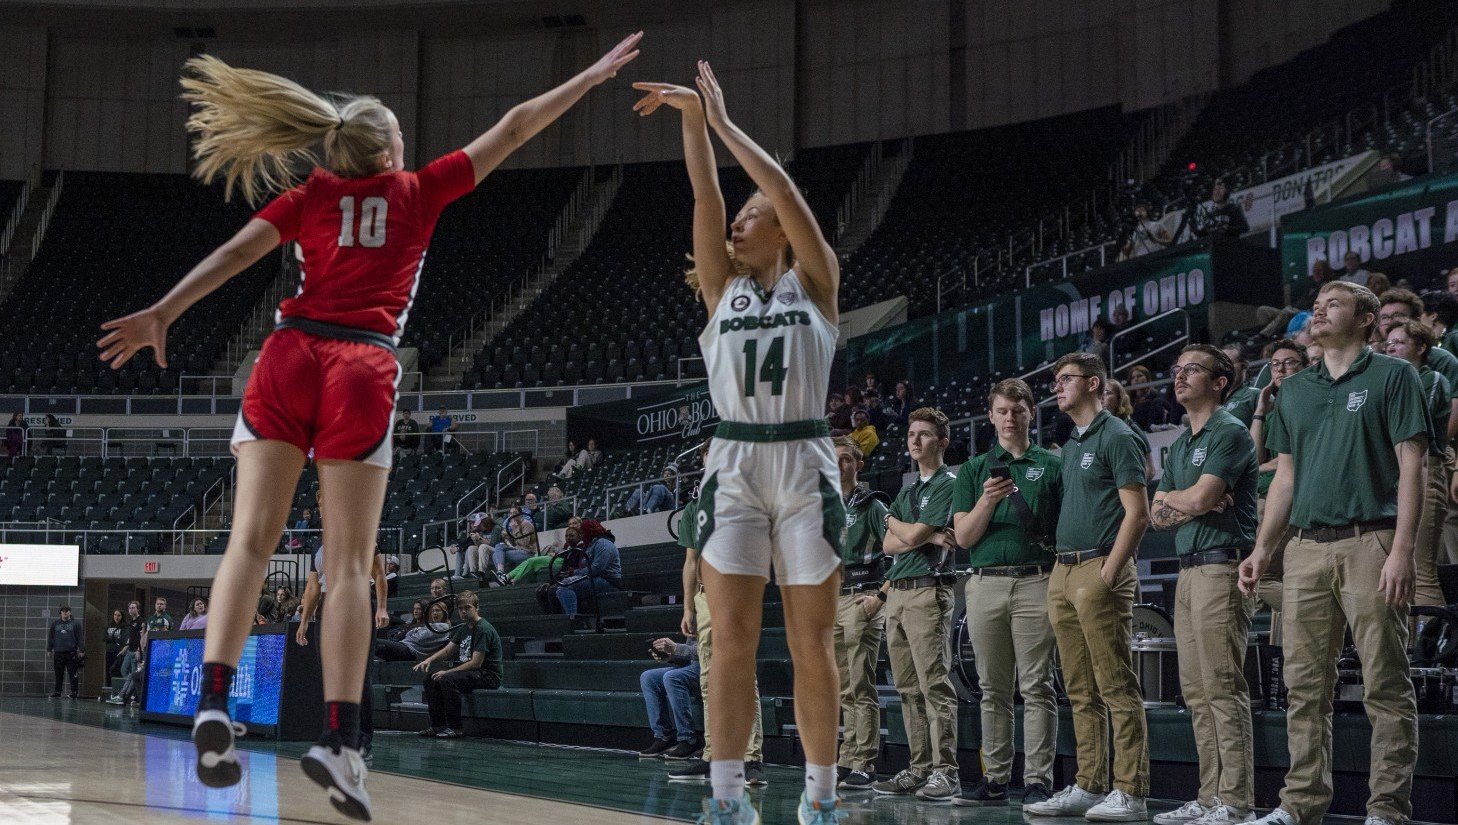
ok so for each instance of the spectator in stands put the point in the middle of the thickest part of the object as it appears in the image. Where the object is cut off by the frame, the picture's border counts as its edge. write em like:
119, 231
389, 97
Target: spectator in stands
15, 435
1399, 306
1378, 283
116, 640
602, 572
441, 427
475, 647
1151, 409
1451, 281
197, 616
131, 654
1220, 217
66, 644
1387, 172
54, 436
557, 511
1119, 405
476, 545
1119, 318
659, 495
837, 413
427, 633
1147, 236
285, 605
407, 434
569, 457
518, 541
855, 399
1352, 271
159, 620
1097, 342
669, 692
902, 403
864, 432
304, 540
1440, 313
584, 459
1241, 401
531, 510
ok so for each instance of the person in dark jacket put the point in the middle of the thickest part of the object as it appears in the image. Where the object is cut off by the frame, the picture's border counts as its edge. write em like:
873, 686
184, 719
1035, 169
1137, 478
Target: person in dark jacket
601, 573
65, 646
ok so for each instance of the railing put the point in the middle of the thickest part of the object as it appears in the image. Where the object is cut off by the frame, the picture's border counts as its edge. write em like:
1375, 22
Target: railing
1443, 149
642, 487
45, 216
1084, 256
15, 215
182, 541
689, 360
519, 479
865, 179
187, 382
1115, 366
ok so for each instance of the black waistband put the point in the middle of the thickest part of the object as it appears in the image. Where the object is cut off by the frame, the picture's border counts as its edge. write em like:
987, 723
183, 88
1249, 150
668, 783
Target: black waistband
1346, 531
1015, 571
1081, 556
1220, 555
324, 329
922, 581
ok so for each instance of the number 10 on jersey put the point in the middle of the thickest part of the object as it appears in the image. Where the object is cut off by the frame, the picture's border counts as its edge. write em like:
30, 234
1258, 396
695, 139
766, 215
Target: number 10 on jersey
771, 371
371, 221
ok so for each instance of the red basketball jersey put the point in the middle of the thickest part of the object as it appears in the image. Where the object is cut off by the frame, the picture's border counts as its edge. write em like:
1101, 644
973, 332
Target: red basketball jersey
364, 241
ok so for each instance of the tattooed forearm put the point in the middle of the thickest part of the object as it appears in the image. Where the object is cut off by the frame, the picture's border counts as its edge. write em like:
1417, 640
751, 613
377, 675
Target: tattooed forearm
1166, 517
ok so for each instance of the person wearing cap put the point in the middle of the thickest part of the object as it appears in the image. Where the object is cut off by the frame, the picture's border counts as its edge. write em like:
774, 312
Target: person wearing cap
1006, 503
64, 644
1208, 496
1349, 437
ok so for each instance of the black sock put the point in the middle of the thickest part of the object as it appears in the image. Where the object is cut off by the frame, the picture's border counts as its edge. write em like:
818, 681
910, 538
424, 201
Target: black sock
217, 683
341, 725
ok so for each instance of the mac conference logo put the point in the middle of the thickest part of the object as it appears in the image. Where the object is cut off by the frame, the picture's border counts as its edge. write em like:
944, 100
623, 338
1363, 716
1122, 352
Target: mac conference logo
786, 298
1034, 473
1355, 400
740, 303
1199, 457
1087, 461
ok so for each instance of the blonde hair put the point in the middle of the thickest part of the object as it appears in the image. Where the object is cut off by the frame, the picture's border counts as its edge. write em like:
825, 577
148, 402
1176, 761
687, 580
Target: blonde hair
737, 269
254, 129
1125, 407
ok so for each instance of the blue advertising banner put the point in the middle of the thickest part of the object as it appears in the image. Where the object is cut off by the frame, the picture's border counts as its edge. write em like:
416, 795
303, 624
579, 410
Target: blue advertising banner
174, 678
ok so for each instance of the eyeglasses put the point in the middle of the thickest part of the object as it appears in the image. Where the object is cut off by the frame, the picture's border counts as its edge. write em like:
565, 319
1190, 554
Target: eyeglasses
1178, 371
1064, 380
1288, 363
1394, 316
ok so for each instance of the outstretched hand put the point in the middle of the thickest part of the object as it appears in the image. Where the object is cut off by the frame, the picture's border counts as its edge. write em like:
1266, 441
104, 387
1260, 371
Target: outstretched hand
133, 333
679, 97
713, 95
621, 55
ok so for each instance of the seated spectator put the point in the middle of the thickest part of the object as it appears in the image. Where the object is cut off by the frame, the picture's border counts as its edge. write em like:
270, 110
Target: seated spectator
1097, 341
392, 575
864, 434
538, 567
1387, 172
570, 457
1116, 401
428, 632
441, 427
669, 693
1378, 283
659, 495
1119, 318
15, 435
1352, 271
837, 414
601, 573
304, 538
475, 650
1440, 313
285, 606
407, 434
196, 617
1150, 409
1147, 236
557, 511
902, 403
870, 385
52, 439
465, 555
518, 541
1219, 217
532, 510
875, 409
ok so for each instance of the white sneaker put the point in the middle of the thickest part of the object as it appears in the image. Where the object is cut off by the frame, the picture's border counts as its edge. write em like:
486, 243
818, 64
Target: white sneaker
1188, 812
342, 774
1225, 815
1381, 820
1279, 816
1071, 801
1118, 807
212, 735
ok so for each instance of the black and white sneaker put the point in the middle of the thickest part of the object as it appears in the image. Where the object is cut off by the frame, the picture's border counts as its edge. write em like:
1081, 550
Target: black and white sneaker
342, 774
217, 763
694, 770
754, 775
857, 781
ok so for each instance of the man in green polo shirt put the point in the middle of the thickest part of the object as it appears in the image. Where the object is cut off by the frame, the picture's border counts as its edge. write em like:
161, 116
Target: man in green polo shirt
919, 614
1208, 495
1091, 594
1006, 503
1241, 402
1349, 438
859, 620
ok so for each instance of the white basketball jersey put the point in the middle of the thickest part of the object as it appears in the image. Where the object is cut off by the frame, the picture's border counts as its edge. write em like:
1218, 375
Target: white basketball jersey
768, 354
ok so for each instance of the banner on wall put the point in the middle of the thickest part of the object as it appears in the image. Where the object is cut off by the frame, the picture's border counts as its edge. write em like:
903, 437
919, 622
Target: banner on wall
1408, 231
1017, 332
1266, 203
677, 415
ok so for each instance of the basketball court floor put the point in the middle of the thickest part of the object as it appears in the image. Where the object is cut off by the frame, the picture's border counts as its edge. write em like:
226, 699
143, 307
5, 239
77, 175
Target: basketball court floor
86, 763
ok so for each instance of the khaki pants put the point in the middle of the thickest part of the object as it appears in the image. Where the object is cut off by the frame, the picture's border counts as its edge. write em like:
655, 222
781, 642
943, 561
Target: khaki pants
755, 753
1430, 535
857, 647
918, 623
1093, 624
1329, 586
1007, 620
1212, 620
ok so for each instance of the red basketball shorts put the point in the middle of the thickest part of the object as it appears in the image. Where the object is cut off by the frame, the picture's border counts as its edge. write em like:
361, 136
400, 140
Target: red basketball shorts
334, 397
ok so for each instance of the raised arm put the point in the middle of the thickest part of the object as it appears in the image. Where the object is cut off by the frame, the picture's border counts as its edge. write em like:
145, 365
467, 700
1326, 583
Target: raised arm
711, 256
815, 259
526, 119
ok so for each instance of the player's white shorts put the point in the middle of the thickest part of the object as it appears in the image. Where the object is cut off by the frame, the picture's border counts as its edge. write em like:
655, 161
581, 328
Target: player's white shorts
775, 503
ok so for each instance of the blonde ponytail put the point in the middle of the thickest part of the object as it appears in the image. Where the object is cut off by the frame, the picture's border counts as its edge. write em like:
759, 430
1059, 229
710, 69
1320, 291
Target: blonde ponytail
738, 269
255, 129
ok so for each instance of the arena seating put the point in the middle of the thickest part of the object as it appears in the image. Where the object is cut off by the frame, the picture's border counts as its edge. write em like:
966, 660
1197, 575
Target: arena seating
620, 467
116, 243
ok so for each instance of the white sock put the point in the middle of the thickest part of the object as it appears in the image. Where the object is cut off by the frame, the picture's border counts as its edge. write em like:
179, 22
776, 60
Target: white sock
727, 778
819, 782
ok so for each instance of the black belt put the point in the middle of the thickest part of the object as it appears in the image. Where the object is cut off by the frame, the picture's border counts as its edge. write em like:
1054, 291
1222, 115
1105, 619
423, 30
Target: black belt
1218, 556
920, 582
1323, 535
853, 589
324, 329
1081, 556
1013, 572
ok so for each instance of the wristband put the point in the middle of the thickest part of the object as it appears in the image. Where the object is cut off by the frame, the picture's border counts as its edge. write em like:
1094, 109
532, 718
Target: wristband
881, 594
1258, 417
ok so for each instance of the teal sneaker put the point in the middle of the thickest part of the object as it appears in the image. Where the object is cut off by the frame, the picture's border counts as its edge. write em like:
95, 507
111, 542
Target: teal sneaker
820, 813
728, 812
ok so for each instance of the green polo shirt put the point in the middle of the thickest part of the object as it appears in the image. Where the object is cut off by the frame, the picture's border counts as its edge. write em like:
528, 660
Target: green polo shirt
865, 532
1263, 483
1222, 448
1446, 363
1436, 395
1095, 465
1341, 434
1450, 340
1038, 475
688, 526
1242, 403
1262, 378
922, 502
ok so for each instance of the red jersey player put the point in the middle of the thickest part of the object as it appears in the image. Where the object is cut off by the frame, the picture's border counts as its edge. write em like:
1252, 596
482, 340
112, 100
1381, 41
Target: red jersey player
326, 377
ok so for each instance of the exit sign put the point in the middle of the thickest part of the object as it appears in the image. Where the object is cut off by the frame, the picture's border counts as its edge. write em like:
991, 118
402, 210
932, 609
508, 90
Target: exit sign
150, 566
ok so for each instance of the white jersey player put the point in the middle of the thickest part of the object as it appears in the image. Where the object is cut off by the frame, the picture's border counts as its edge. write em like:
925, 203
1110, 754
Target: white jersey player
770, 498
